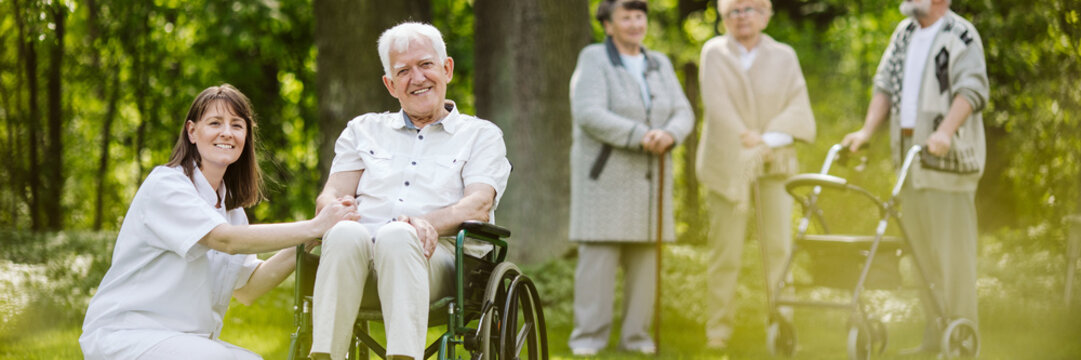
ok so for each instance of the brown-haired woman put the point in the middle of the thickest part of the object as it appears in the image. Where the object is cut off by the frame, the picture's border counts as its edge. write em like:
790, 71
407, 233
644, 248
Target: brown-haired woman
185, 247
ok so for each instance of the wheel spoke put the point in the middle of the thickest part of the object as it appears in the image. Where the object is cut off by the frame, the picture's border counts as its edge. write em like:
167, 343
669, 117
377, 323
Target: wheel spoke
527, 330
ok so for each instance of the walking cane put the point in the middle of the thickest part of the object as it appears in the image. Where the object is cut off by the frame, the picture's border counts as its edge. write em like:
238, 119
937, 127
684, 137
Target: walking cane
660, 239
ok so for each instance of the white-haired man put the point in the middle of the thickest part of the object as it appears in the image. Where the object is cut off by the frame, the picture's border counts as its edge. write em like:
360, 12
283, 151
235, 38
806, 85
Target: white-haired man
414, 175
932, 85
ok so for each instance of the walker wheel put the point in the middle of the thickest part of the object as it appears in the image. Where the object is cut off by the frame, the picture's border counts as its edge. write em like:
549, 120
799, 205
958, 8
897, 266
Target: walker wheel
879, 335
781, 338
961, 339
860, 342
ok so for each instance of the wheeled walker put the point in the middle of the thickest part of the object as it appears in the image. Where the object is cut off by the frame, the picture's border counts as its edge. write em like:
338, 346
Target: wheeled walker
864, 260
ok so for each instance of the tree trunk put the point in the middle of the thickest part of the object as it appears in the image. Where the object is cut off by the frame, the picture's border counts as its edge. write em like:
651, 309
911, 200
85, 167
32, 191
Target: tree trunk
106, 138
54, 159
525, 52
349, 75
29, 58
690, 209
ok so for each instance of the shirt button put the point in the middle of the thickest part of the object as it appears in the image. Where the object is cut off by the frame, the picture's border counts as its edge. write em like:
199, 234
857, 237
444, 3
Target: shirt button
414, 163
400, 200
371, 152
420, 137
406, 183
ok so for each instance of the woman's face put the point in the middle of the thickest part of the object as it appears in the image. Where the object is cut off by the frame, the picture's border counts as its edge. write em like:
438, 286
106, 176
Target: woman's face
219, 136
745, 20
627, 27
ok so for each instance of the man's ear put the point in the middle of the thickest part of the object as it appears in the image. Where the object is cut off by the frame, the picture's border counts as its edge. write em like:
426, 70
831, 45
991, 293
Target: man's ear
448, 67
390, 86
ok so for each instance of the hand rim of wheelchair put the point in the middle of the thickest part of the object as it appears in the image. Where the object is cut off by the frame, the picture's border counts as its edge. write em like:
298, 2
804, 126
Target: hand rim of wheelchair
781, 338
502, 301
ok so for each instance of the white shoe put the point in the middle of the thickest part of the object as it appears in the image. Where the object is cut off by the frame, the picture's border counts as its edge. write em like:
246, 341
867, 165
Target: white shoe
584, 352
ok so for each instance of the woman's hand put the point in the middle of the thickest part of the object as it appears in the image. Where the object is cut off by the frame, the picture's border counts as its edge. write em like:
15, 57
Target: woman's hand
750, 138
657, 141
856, 139
425, 232
343, 209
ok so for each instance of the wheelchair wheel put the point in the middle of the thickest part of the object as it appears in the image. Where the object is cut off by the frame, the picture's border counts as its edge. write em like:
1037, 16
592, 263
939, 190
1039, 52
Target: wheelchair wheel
961, 340
512, 321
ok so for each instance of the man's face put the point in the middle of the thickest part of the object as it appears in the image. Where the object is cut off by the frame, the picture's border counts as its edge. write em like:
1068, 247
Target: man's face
915, 8
417, 79
627, 27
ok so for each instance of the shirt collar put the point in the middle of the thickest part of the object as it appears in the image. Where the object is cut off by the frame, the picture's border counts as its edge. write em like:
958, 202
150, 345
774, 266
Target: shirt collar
202, 186
449, 122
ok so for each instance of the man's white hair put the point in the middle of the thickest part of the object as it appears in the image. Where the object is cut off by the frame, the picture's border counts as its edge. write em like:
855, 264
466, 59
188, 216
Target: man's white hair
400, 36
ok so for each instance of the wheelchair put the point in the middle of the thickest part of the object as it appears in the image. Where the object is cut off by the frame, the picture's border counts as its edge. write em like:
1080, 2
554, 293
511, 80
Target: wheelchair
494, 312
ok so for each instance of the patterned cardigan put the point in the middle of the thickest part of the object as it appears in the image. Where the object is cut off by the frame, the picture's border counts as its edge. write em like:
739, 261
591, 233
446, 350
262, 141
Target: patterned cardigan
955, 67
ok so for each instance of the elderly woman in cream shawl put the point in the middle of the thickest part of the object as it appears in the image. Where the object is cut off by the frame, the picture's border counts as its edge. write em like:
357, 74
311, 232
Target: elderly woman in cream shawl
756, 107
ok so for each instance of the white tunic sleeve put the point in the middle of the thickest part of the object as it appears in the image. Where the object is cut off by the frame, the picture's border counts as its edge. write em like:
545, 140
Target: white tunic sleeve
178, 216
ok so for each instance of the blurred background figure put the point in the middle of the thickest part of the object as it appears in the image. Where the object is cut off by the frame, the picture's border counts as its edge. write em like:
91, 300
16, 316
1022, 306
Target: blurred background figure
756, 107
628, 108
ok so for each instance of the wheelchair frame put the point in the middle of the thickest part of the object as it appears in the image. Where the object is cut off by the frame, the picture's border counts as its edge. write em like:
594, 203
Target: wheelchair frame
866, 334
508, 314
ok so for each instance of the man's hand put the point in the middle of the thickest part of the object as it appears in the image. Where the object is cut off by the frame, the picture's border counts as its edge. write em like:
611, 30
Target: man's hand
750, 138
425, 232
657, 141
938, 144
856, 140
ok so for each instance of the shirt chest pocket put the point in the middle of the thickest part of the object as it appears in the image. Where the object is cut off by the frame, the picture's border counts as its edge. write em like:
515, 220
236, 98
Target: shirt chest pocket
447, 174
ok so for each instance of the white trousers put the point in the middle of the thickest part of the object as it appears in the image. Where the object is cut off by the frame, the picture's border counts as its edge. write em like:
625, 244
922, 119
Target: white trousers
186, 346
406, 280
594, 294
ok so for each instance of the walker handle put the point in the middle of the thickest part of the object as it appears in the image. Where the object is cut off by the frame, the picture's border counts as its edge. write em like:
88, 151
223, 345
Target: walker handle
910, 156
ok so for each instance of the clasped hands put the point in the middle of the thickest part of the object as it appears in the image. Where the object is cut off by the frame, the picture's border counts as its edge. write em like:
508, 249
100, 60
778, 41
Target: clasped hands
657, 141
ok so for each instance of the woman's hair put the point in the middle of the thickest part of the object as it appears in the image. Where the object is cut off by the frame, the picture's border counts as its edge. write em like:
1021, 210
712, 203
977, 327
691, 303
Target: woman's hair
399, 37
607, 7
243, 179
724, 6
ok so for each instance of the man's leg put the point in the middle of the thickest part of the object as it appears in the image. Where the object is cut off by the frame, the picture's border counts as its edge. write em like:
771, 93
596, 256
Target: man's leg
728, 225
339, 286
594, 288
407, 282
639, 292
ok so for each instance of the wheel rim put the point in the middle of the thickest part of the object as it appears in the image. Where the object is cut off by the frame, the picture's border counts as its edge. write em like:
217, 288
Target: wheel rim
781, 338
859, 343
961, 339
495, 294
522, 324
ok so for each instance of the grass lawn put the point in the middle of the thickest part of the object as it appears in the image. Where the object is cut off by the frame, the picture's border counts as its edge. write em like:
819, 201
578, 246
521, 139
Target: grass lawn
1022, 314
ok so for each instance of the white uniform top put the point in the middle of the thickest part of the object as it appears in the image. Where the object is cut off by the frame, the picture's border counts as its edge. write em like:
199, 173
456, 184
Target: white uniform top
413, 172
162, 282
919, 49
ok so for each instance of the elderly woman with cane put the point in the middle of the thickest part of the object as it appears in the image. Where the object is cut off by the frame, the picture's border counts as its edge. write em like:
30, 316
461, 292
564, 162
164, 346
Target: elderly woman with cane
629, 111
756, 106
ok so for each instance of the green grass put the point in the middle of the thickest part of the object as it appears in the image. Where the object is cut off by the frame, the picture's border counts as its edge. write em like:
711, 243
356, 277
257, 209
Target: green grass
1022, 313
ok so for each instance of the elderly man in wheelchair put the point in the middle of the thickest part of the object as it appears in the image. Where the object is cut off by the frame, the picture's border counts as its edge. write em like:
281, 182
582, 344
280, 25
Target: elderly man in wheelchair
416, 176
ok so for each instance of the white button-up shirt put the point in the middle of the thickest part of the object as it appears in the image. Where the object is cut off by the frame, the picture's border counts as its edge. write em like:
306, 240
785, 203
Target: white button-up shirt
162, 281
414, 172
919, 48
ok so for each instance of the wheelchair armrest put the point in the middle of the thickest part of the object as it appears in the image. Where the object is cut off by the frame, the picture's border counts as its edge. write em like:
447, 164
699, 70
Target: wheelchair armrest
484, 228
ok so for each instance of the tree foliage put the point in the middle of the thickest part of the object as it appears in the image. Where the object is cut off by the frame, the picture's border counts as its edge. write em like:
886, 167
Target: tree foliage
92, 94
